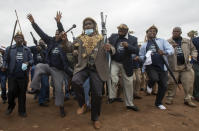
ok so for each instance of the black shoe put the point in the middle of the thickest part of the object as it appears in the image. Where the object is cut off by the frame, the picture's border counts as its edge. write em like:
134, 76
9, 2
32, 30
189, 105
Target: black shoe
141, 89
137, 97
66, 98
4, 101
119, 99
22, 114
75, 97
154, 93
33, 91
47, 100
35, 97
111, 100
10, 109
135, 108
53, 97
43, 104
62, 112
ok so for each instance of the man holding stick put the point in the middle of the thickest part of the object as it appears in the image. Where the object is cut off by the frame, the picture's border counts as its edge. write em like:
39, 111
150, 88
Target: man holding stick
92, 62
57, 65
156, 51
18, 59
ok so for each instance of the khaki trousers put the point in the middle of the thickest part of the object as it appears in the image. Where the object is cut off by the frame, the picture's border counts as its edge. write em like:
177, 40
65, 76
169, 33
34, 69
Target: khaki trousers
116, 68
187, 79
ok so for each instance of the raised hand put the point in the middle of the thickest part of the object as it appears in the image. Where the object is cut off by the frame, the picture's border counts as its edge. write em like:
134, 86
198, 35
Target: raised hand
30, 18
58, 16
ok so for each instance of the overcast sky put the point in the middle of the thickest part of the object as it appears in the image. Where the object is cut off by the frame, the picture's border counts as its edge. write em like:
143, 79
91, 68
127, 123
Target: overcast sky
137, 14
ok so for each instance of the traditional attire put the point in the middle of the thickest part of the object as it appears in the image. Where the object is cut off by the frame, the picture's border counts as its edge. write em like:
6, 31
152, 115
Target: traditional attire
91, 62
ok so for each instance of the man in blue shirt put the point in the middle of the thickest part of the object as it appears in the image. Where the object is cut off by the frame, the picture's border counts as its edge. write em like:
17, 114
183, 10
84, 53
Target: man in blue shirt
39, 56
156, 71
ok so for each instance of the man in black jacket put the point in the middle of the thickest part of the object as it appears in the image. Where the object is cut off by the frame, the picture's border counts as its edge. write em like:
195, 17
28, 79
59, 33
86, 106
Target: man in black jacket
17, 61
39, 56
57, 65
125, 45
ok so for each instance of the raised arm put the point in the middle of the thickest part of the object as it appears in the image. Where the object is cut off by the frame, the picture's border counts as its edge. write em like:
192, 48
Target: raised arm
59, 24
39, 31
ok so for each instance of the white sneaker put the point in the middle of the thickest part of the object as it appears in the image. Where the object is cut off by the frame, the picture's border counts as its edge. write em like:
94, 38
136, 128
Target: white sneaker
148, 90
162, 107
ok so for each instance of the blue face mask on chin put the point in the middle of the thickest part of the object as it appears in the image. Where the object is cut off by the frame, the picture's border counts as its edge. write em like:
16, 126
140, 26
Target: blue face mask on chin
88, 31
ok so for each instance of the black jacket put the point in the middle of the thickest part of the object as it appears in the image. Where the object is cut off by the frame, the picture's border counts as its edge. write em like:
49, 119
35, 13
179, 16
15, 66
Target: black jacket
63, 64
35, 52
131, 49
10, 59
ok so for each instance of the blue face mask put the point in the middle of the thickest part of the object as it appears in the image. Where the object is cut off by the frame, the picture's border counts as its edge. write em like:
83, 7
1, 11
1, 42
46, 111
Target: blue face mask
88, 31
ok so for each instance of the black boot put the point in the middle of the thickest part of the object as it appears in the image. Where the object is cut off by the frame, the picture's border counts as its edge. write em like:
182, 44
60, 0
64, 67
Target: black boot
10, 109
34, 91
22, 114
44, 104
62, 112
111, 100
4, 101
135, 108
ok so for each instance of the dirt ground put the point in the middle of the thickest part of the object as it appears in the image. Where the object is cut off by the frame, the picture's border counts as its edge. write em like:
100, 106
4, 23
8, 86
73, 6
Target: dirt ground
114, 117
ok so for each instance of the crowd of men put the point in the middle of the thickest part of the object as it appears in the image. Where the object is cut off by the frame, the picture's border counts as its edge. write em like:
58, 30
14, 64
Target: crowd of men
85, 70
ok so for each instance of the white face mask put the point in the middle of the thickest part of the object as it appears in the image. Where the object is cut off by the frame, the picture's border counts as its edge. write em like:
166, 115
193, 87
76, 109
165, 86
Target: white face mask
88, 31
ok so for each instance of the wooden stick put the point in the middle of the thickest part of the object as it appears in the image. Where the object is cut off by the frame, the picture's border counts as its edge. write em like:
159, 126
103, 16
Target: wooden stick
18, 21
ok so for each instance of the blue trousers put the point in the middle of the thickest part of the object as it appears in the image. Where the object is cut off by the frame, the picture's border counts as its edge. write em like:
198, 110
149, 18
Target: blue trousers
67, 93
44, 92
3, 78
32, 71
86, 87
